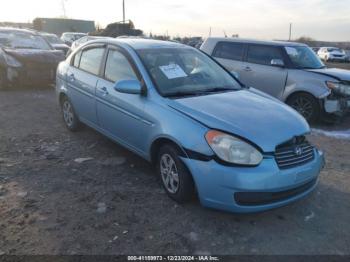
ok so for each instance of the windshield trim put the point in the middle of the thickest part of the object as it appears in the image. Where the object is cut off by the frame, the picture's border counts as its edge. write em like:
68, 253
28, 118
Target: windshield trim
154, 82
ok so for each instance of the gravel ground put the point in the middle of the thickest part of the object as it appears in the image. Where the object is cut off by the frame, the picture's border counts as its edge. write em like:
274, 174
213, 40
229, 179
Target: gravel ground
112, 203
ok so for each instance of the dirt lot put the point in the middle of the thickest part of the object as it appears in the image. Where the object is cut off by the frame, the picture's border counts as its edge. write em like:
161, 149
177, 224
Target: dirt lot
113, 204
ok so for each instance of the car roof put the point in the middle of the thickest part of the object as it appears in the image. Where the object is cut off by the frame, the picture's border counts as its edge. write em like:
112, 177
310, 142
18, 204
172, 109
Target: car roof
18, 30
47, 34
138, 43
74, 33
253, 41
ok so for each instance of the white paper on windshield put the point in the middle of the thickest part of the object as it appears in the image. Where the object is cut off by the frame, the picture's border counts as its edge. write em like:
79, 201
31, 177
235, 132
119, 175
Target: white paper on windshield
291, 51
173, 71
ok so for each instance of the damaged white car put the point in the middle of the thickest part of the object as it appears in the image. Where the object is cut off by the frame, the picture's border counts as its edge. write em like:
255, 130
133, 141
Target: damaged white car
291, 72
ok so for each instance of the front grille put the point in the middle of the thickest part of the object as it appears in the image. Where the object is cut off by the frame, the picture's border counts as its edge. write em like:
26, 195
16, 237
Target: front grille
265, 198
295, 152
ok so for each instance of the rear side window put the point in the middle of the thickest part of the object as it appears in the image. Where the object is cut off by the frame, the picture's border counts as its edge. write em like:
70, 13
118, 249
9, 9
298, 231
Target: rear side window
227, 50
263, 55
118, 67
91, 59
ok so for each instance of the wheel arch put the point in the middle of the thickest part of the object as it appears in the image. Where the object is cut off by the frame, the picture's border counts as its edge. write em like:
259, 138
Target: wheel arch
159, 142
298, 92
61, 95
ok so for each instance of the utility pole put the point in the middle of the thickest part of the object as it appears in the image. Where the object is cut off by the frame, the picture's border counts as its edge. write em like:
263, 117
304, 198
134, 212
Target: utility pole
210, 32
123, 11
64, 8
290, 32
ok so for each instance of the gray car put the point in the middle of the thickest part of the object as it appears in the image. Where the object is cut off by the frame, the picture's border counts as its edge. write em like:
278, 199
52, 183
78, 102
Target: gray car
291, 72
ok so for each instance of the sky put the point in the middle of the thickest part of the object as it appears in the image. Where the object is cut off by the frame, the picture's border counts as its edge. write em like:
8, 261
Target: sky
327, 20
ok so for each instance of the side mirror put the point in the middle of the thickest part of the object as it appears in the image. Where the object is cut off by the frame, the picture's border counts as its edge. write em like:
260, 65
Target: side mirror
277, 62
128, 86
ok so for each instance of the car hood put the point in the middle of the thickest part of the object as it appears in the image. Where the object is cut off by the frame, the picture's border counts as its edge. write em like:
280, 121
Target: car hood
60, 46
339, 74
263, 121
36, 56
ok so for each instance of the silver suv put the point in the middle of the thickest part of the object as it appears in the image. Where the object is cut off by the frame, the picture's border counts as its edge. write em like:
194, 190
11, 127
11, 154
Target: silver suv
291, 72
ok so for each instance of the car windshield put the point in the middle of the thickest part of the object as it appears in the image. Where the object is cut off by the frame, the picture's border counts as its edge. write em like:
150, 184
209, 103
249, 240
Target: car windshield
304, 57
53, 39
19, 40
185, 71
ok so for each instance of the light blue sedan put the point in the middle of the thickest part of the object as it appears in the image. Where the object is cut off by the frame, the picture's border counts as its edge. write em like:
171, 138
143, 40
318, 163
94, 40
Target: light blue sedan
238, 149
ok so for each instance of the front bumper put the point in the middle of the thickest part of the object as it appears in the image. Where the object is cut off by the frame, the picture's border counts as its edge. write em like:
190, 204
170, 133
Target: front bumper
218, 186
338, 58
338, 106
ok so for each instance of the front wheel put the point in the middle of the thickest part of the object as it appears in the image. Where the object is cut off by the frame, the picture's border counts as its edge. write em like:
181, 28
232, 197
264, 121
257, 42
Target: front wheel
175, 177
70, 118
306, 105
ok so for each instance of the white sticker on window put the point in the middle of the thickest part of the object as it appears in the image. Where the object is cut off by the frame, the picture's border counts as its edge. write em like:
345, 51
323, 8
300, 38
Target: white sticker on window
173, 71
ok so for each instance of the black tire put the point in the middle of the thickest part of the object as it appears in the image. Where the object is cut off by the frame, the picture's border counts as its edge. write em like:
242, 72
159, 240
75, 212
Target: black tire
185, 186
307, 105
69, 116
3, 79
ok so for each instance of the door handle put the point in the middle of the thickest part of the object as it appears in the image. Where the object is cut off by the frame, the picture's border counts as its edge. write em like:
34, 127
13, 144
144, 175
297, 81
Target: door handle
248, 69
71, 77
104, 90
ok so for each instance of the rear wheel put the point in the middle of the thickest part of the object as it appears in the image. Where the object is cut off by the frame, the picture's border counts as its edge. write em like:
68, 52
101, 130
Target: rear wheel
70, 118
175, 177
307, 105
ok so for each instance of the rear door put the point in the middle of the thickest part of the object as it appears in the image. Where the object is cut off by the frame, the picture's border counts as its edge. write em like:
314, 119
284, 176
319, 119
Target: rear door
82, 77
230, 55
259, 73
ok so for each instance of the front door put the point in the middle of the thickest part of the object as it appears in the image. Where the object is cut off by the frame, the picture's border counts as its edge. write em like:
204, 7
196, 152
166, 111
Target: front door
121, 115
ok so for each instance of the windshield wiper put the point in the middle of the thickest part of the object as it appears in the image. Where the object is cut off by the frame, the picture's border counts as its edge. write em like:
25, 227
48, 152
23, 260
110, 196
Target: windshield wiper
199, 92
219, 89
184, 94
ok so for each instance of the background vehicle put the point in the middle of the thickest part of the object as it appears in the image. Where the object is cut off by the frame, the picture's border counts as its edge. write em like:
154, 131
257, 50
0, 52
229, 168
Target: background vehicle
83, 40
167, 102
288, 71
55, 42
315, 49
26, 58
332, 54
69, 37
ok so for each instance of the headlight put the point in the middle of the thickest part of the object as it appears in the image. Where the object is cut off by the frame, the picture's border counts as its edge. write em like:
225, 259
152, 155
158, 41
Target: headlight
232, 149
11, 61
339, 87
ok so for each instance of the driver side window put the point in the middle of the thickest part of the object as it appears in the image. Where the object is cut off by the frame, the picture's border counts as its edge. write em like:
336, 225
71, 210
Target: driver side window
118, 67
